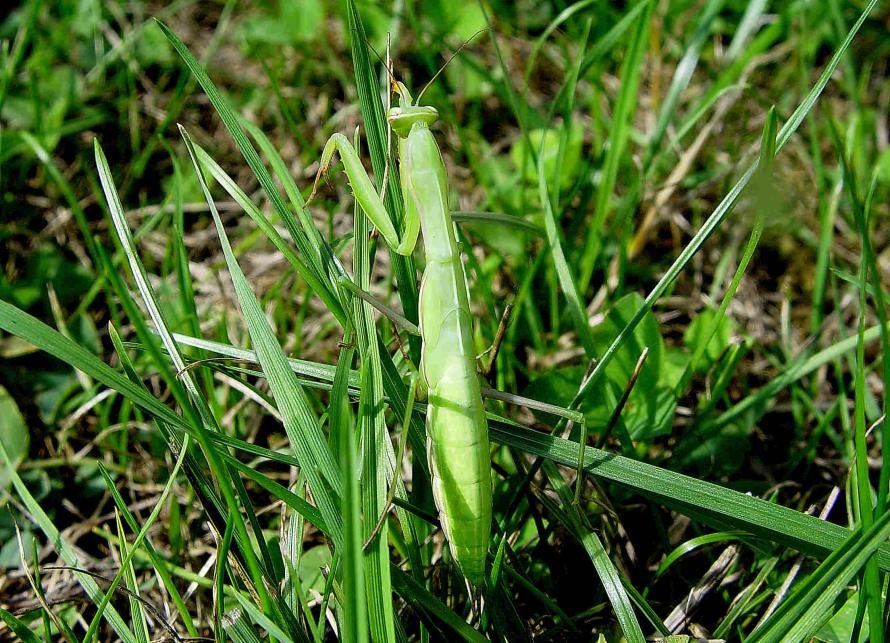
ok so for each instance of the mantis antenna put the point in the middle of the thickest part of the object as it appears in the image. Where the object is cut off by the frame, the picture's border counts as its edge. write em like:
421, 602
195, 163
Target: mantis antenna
386, 62
448, 62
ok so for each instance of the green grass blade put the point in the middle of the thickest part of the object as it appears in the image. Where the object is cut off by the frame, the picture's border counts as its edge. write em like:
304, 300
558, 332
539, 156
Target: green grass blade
715, 505
159, 565
753, 12
19, 628
764, 192
798, 618
682, 76
418, 596
599, 557
864, 510
271, 233
376, 466
722, 211
67, 553
238, 627
625, 108
612, 37
300, 422
327, 289
798, 369
292, 500
355, 622
131, 585
566, 281
137, 542
207, 422
326, 256
262, 619
371, 108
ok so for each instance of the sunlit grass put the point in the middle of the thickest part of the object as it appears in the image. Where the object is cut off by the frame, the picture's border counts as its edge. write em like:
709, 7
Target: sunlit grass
234, 427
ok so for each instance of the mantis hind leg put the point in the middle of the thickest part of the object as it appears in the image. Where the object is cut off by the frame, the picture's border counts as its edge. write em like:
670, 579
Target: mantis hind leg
493, 350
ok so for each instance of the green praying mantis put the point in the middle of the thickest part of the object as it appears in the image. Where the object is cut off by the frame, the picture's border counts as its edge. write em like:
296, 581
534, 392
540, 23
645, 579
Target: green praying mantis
457, 430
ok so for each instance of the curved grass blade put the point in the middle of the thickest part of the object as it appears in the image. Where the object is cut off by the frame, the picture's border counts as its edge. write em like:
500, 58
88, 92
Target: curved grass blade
326, 289
266, 226
19, 628
194, 403
65, 550
712, 503
566, 281
300, 422
608, 575
418, 596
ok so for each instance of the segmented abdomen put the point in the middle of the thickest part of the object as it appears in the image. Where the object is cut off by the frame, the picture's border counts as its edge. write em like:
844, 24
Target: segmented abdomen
457, 430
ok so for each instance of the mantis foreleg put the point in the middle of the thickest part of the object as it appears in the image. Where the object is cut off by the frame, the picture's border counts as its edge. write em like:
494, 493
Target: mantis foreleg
367, 196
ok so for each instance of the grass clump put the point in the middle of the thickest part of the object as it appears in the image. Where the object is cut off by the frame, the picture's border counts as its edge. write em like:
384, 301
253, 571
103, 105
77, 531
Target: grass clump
205, 434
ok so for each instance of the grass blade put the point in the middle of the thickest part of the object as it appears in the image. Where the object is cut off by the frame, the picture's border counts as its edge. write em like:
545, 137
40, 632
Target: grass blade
798, 618
300, 422
618, 137
721, 212
67, 553
326, 288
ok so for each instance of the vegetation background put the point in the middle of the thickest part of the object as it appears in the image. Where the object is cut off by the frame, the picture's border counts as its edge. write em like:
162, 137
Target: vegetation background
600, 156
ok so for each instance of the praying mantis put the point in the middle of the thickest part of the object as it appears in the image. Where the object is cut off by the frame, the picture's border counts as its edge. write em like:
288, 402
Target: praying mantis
457, 430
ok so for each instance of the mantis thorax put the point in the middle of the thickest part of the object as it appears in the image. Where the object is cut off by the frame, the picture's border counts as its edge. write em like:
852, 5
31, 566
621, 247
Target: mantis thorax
406, 115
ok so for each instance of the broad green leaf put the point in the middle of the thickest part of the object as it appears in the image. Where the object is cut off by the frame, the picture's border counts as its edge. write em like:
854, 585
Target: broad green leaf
650, 406
313, 564
646, 335
291, 24
839, 629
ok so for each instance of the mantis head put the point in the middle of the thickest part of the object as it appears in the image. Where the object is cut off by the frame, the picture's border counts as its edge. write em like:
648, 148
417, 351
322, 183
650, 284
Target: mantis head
409, 112
403, 117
